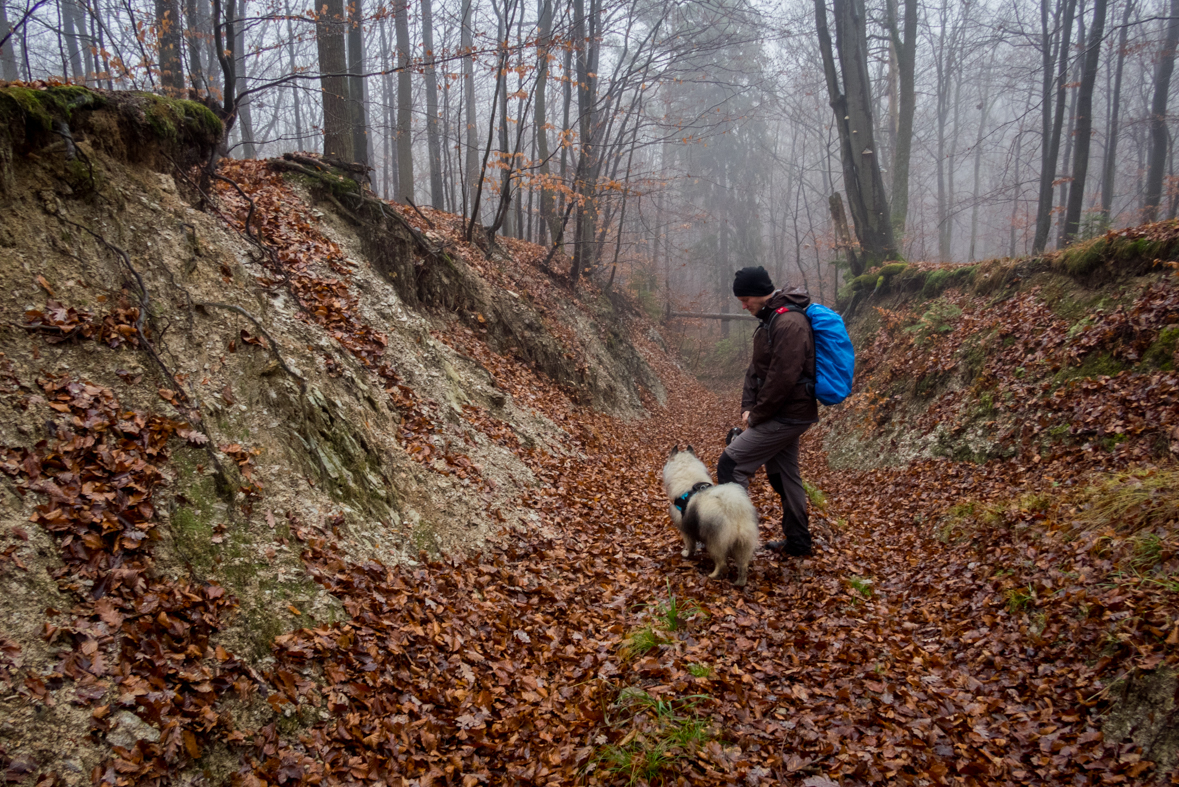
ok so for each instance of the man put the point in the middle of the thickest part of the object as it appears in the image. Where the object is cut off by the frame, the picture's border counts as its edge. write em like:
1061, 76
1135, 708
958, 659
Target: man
777, 404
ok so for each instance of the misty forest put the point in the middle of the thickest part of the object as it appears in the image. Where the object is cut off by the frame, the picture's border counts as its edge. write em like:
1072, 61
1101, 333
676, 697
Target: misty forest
361, 363
667, 144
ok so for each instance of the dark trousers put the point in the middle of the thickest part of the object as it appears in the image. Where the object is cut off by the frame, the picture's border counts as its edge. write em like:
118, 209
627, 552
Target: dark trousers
775, 445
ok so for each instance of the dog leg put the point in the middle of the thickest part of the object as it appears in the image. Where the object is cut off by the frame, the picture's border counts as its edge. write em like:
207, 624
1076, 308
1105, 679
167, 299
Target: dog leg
722, 564
689, 545
742, 574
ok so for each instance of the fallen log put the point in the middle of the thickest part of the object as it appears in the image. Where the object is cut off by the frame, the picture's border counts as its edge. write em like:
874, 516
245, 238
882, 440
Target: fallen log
694, 316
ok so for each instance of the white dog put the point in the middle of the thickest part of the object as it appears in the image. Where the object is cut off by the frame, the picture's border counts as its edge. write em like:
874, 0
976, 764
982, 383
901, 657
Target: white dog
721, 517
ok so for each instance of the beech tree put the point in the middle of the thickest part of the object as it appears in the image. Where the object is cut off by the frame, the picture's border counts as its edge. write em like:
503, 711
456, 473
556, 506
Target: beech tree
330, 25
850, 93
1159, 136
1084, 124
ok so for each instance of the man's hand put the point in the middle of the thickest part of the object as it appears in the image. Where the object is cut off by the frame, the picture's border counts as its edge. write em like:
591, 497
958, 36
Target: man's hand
745, 418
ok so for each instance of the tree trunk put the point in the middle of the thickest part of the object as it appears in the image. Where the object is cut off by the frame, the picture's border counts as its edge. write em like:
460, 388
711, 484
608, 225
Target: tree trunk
295, 89
433, 145
583, 36
68, 10
501, 79
843, 239
985, 109
1111, 137
472, 162
1156, 160
544, 32
329, 38
1064, 176
853, 118
1076, 189
197, 17
357, 100
9, 70
168, 33
906, 55
245, 112
404, 105
388, 98
1018, 193
1050, 128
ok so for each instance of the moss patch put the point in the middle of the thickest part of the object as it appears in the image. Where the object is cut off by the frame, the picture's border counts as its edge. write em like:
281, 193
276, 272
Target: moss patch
1161, 354
175, 119
1099, 365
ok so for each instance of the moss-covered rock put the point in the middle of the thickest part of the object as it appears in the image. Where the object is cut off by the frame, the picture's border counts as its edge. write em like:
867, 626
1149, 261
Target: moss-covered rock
177, 119
132, 127
865, 282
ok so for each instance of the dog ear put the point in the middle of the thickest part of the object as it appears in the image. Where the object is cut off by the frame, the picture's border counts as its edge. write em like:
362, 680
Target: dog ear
690, 450
675, 449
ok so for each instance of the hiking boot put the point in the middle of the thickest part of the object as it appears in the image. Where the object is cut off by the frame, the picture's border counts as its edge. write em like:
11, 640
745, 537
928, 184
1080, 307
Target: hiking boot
793, 549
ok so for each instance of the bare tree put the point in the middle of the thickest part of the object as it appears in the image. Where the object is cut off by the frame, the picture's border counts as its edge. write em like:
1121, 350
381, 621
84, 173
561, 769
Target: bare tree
357, 93
1054, 47
245, 109
1084, 124
853, 118
8, 68
1109, 171
904, 46
404, 103
330, 24
1159, 137
433, 144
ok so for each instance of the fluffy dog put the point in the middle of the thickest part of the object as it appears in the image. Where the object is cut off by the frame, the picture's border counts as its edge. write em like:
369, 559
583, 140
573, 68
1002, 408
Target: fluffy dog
721, 517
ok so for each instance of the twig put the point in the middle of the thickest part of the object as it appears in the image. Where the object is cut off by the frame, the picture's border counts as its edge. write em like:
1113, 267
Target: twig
560, 237
418, 211
264, 332
247, 198
144, 299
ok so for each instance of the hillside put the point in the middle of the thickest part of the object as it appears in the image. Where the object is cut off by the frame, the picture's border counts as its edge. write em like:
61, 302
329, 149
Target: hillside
299, 487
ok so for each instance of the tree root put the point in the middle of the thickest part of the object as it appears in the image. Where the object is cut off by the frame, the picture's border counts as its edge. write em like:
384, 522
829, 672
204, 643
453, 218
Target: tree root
273, 344
193, 413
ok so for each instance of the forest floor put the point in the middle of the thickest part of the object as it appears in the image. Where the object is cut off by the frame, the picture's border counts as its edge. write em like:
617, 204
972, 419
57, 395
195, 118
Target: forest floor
958, 624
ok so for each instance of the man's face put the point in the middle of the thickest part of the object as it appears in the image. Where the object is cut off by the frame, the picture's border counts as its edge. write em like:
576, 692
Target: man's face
753, 303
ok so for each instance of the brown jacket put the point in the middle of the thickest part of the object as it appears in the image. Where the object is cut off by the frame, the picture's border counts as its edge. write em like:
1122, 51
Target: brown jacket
775, 382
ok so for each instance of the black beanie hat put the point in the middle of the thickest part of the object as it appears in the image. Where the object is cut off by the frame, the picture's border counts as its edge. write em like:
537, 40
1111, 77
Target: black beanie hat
752, 282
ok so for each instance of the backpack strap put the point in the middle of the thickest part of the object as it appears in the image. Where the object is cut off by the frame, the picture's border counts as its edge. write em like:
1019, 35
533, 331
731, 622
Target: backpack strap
810, 379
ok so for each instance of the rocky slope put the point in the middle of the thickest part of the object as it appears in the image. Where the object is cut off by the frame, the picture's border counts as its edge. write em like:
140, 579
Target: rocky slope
194, 365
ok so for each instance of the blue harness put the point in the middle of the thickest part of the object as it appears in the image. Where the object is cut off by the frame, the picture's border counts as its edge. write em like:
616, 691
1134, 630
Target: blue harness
681, 502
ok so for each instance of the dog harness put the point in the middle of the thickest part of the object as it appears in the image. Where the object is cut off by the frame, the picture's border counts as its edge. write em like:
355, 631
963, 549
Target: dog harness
681, 502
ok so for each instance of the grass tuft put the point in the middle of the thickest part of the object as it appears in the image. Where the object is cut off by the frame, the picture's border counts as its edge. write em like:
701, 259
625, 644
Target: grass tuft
1132, 501
861, 585
663, 732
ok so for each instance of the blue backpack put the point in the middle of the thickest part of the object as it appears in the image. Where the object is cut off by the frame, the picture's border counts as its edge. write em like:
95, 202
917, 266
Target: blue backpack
835, 358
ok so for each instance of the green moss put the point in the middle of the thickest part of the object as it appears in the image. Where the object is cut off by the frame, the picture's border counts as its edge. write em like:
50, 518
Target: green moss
175, 119
1082, 259
974, 354
41, 107
892, 269
941, 317
1161, 354
865, 282
1101, 365
1140, 249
